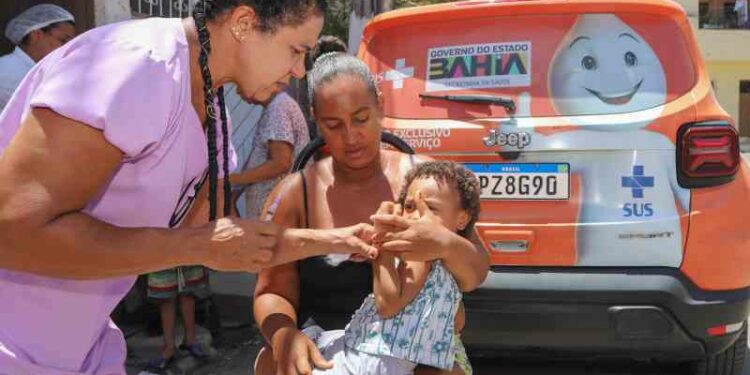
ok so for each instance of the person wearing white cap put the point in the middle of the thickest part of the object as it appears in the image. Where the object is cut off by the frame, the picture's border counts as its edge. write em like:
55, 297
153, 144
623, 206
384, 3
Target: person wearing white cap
36, 32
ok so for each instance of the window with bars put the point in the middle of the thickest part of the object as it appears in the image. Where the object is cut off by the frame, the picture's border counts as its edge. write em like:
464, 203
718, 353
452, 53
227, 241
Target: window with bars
723, 14
162, 8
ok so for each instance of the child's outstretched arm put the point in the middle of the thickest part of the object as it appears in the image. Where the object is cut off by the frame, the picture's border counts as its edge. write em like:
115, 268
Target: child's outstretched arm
396, 286
427, 239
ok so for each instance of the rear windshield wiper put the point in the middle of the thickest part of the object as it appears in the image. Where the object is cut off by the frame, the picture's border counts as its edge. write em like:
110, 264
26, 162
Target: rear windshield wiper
509, 105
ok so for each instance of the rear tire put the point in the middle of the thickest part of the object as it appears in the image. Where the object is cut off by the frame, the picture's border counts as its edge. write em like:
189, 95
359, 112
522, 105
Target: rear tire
729, 362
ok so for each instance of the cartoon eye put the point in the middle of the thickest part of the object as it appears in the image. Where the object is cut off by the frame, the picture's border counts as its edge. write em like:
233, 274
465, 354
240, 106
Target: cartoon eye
631, 59
588, 63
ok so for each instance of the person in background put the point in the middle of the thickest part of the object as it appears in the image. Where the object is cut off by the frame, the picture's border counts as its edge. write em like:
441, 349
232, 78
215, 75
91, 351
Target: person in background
36, 32
187, 283
280, 136
740, 7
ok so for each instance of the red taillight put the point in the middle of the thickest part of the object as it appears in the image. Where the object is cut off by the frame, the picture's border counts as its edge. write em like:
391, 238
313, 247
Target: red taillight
725, 329
709, 151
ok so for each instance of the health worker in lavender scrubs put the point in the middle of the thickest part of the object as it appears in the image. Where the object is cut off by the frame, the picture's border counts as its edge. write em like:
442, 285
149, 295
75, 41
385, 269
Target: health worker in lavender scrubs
103, 154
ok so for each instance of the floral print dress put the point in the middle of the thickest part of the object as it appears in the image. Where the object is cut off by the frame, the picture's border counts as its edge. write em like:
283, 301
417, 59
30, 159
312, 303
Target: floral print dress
422, 332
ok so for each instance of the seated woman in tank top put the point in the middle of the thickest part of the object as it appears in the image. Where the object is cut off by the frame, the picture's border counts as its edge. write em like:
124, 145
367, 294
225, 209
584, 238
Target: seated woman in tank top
346, 189
409, 318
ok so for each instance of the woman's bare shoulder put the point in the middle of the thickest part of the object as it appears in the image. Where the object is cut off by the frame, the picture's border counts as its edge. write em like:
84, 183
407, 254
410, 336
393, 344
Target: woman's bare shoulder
312, 172
321, 170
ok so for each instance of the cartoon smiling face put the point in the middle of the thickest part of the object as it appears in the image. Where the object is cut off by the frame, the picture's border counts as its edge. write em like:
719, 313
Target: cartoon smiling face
604, 67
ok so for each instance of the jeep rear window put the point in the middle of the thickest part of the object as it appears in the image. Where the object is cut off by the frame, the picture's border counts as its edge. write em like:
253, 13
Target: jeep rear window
549, 65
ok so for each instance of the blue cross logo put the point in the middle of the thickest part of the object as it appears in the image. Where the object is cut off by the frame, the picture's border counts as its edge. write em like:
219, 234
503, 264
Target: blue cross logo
637, 181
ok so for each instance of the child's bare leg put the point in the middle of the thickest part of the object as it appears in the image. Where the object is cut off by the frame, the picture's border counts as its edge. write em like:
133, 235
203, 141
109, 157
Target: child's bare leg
167, 309
187, 307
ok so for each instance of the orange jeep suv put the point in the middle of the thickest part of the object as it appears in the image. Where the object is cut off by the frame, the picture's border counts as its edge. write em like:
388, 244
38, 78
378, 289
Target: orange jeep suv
615, 204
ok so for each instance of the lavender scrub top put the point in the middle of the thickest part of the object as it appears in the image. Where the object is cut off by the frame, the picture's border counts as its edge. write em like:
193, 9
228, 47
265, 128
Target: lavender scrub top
131, 81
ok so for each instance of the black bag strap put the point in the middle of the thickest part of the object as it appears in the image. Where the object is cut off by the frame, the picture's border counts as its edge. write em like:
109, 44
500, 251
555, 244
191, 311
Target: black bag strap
304, 198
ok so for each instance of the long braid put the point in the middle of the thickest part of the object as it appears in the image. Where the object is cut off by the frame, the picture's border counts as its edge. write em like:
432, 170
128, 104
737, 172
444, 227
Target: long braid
225, 153
199, 14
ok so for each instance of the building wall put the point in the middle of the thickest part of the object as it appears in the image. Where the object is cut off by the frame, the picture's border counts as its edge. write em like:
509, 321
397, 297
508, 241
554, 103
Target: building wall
726, 76
727, 57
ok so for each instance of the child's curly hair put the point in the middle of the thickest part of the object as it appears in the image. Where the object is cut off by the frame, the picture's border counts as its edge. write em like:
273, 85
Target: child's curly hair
455, 175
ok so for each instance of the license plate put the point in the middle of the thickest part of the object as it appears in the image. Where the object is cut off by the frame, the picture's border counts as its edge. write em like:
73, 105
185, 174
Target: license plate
523, 181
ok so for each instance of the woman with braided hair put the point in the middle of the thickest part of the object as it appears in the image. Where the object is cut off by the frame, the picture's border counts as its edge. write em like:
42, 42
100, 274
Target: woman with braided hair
103, 151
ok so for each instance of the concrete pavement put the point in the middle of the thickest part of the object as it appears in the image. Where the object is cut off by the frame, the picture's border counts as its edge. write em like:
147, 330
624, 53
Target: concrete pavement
239, 347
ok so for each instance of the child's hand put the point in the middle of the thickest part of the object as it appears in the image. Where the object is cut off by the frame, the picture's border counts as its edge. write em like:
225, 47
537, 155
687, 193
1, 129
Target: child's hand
380, 228
419, 239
